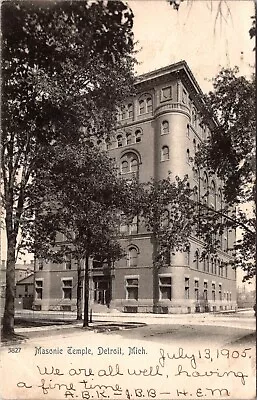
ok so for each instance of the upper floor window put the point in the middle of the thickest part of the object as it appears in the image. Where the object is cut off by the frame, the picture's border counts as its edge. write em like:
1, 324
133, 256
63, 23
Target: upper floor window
194, 144
145, 104
188, 156
132, 256
142, 107
205, 181
188, 130
130, 110
197, 259
68, 262
129, 163
165, 153
123, 112
138, 136
149, 105
119, 140
129, 138
165, 127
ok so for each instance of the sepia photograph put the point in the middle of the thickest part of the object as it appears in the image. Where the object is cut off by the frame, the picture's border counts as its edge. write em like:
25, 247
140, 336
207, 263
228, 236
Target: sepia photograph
128, 223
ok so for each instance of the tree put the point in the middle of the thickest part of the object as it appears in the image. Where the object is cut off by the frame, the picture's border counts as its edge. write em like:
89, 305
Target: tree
65, 65
168, 213
230, 153
83, 199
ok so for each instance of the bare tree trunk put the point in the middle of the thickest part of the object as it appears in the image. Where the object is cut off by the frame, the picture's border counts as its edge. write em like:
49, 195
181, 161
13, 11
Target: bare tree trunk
8, 319
79, 286
86, 292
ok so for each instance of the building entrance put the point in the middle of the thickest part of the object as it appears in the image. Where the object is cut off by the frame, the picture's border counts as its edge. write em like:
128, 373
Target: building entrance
102, 290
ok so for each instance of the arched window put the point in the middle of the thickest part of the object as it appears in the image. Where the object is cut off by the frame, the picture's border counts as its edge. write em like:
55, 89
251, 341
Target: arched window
149, 105
165, 127
134, 165
205, 181
130, 110
124, 167
129, 163
138, 135
165, 153
141, 107
212, 265
129, 138
132, 256
197, 259
119, 140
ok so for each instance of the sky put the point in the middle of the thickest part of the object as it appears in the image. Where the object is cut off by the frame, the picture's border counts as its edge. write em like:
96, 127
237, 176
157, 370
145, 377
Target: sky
194, 34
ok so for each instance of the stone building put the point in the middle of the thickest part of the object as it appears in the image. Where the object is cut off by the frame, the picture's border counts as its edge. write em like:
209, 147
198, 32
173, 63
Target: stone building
159, 130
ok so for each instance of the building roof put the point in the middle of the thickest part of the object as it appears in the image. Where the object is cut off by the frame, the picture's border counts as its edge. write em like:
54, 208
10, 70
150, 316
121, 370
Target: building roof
27, 279
180, 66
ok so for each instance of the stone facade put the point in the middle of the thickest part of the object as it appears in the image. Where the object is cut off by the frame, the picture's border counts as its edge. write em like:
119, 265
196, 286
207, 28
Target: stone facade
159, 131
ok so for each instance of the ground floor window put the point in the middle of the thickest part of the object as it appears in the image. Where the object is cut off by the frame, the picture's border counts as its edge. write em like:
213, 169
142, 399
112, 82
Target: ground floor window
132, 288
165, 287
213, 292
186, 288
196, 290
205, 290
39, 289
67, 288
220, 293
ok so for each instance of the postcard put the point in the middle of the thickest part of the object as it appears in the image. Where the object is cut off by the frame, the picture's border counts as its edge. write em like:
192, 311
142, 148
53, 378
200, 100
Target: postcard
157, 323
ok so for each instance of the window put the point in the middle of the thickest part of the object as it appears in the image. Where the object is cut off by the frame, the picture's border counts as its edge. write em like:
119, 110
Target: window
165, 287
67, 288
165, 127
129, 163
165, 153
186, 288
39, 289
184, 96
124, 167
196, 290
130, 110
204, 261
119, 140
207, 265
123, 112
212, 265
205, 181
197, 259
226, 271
213, 194
188, 156
141, 107
220, 292
131, 288
188, 130
40, 264
138, 135
68, 262
149, 105
205, 290
166, 256
129, 138
213, 291
132, 256
134, 165
133, 226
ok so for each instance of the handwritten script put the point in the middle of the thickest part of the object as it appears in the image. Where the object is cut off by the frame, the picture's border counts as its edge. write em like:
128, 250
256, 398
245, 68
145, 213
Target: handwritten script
207, 373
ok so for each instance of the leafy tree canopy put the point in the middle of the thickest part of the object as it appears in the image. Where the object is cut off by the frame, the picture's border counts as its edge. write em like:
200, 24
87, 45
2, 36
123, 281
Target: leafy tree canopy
65, 65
